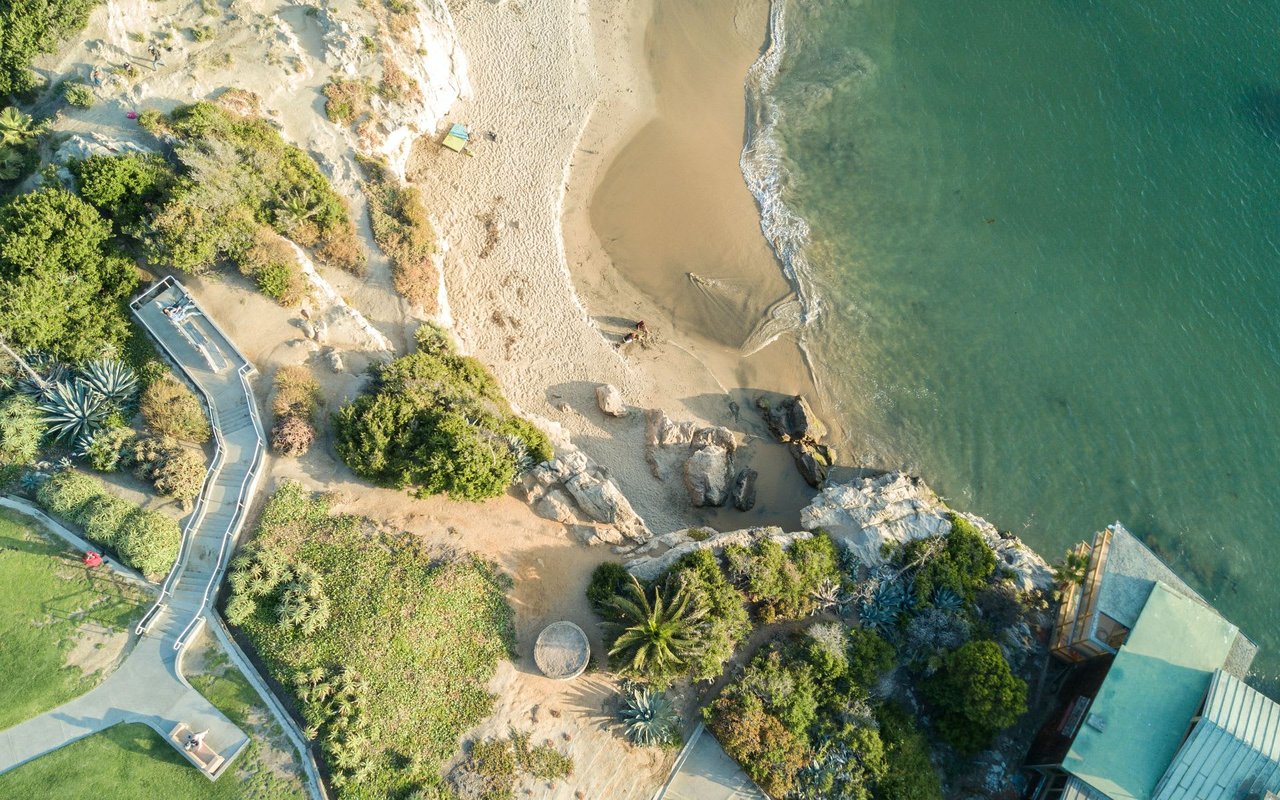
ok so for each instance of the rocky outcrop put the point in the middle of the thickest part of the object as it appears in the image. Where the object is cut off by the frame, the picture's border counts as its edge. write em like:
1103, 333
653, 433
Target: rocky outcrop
610, 400
792, 420
706, 476
574, 490
893, 508
656, 557
743, 493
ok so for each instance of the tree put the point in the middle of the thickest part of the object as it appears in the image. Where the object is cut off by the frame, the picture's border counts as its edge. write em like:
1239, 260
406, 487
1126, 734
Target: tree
122, 187
29, 28
975, 695
909, 773
769, 752
20, 430
960, 562
657, 638
61, 286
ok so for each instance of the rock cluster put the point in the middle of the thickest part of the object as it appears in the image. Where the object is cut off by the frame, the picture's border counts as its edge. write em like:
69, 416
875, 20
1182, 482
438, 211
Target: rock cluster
893, 508
652, 559
573, 490
792, 420
704, 456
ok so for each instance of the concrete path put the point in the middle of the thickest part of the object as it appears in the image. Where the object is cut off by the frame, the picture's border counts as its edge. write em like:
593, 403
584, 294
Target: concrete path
705, 772
148, 686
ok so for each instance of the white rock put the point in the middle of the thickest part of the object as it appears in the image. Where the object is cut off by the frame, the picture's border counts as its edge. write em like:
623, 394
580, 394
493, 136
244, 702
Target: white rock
556, 505
706, 476
610, 400
865, 515
687, 541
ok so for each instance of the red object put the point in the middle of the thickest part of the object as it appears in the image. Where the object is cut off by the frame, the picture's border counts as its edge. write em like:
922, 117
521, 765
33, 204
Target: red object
92, 559
131, 114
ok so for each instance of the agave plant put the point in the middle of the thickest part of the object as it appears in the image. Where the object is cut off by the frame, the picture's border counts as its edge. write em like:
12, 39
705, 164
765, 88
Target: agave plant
880, 609
947, 600
650, 717
74, 411
111, 378
48, 371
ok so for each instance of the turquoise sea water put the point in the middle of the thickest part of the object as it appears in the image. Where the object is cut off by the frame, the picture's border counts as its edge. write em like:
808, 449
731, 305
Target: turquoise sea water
1045, 236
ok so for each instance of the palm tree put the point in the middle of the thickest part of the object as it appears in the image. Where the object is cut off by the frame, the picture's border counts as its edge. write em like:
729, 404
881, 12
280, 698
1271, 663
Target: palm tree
12, 164
656, 638
17, 128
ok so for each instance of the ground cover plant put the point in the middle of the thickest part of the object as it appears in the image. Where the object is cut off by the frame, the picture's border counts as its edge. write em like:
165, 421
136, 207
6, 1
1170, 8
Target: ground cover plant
492, 767
401, 229
435, 422
145, 540
237, 175
46, 598
386, 651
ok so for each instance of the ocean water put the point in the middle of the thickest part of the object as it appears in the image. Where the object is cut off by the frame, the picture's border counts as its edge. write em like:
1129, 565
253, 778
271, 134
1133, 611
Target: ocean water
1038, 243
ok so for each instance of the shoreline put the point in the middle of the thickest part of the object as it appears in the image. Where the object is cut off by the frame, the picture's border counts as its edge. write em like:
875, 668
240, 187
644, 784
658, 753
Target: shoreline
517, 219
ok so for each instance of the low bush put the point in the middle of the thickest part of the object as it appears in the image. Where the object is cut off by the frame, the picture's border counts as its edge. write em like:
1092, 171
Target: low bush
292, 436
436, 422
123, 187
297, 393
768, 750
492, 766
171, 409
960, 562
784, 584
32, 29
608, 580
909, 773
727, 624
974, 696
273, 265
345, 100
110, 449
400, 227
145, 540
77, 94
21, 427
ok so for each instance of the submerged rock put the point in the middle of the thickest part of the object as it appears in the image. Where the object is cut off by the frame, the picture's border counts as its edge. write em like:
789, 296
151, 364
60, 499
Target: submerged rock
744, 489
706, 476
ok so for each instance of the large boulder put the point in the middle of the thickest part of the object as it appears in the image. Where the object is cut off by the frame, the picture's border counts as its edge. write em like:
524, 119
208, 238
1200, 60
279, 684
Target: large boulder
599, 499
706, 476
660, 431
610, 400
813, 460
744, 489
718, 435
792, 419
869, 513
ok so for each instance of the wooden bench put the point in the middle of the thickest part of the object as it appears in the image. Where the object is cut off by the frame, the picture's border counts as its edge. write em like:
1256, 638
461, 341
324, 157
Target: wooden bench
203, 757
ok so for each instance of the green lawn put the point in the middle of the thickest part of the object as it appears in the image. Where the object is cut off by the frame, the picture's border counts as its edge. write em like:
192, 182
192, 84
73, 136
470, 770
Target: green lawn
125, 762
423, 637
47, 598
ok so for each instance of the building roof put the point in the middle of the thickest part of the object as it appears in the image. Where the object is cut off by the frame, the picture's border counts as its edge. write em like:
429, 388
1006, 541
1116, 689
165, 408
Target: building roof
1079, 790
1131, 569
1234, 749
1153, 689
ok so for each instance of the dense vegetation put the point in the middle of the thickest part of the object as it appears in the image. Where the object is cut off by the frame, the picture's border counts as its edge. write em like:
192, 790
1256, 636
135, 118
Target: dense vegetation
436, 422
492, 766
29, 28
386, 651
62, 284
145, 540
237, 175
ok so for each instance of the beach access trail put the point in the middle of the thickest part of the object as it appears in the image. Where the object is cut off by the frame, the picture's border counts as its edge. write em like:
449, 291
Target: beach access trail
149, 686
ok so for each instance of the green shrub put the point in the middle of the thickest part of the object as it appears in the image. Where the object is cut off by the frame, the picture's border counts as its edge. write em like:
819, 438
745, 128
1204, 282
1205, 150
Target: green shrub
768, 750
608, 580
110, 449
783, 584
31, 29
273, 265
20, 430
67, 493
123, 187
77, 94
909, 773
297, 393
61, 286
974, 696
103, 518
962, 565
726, 621
437, 423
148, 541
171, 409
870, 656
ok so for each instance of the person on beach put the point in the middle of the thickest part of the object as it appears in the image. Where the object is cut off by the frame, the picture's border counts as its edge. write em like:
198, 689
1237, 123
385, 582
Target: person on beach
96, 76
155, 56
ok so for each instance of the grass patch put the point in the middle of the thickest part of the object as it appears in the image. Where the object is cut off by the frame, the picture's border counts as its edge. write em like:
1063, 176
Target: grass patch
125, 762
45, 598
401, 229
403, 655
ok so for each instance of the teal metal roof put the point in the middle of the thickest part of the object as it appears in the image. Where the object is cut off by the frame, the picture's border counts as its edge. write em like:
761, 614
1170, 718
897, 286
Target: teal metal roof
1234, 749
1154, 687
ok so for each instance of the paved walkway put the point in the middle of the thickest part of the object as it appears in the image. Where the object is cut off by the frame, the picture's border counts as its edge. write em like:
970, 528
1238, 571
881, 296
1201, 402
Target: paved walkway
706, 772
148, 686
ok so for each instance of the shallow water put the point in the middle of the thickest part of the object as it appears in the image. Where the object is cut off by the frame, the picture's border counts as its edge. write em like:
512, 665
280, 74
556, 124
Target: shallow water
1045, 236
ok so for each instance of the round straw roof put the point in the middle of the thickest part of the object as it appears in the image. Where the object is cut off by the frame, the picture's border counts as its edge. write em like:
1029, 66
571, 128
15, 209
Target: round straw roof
562, 651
